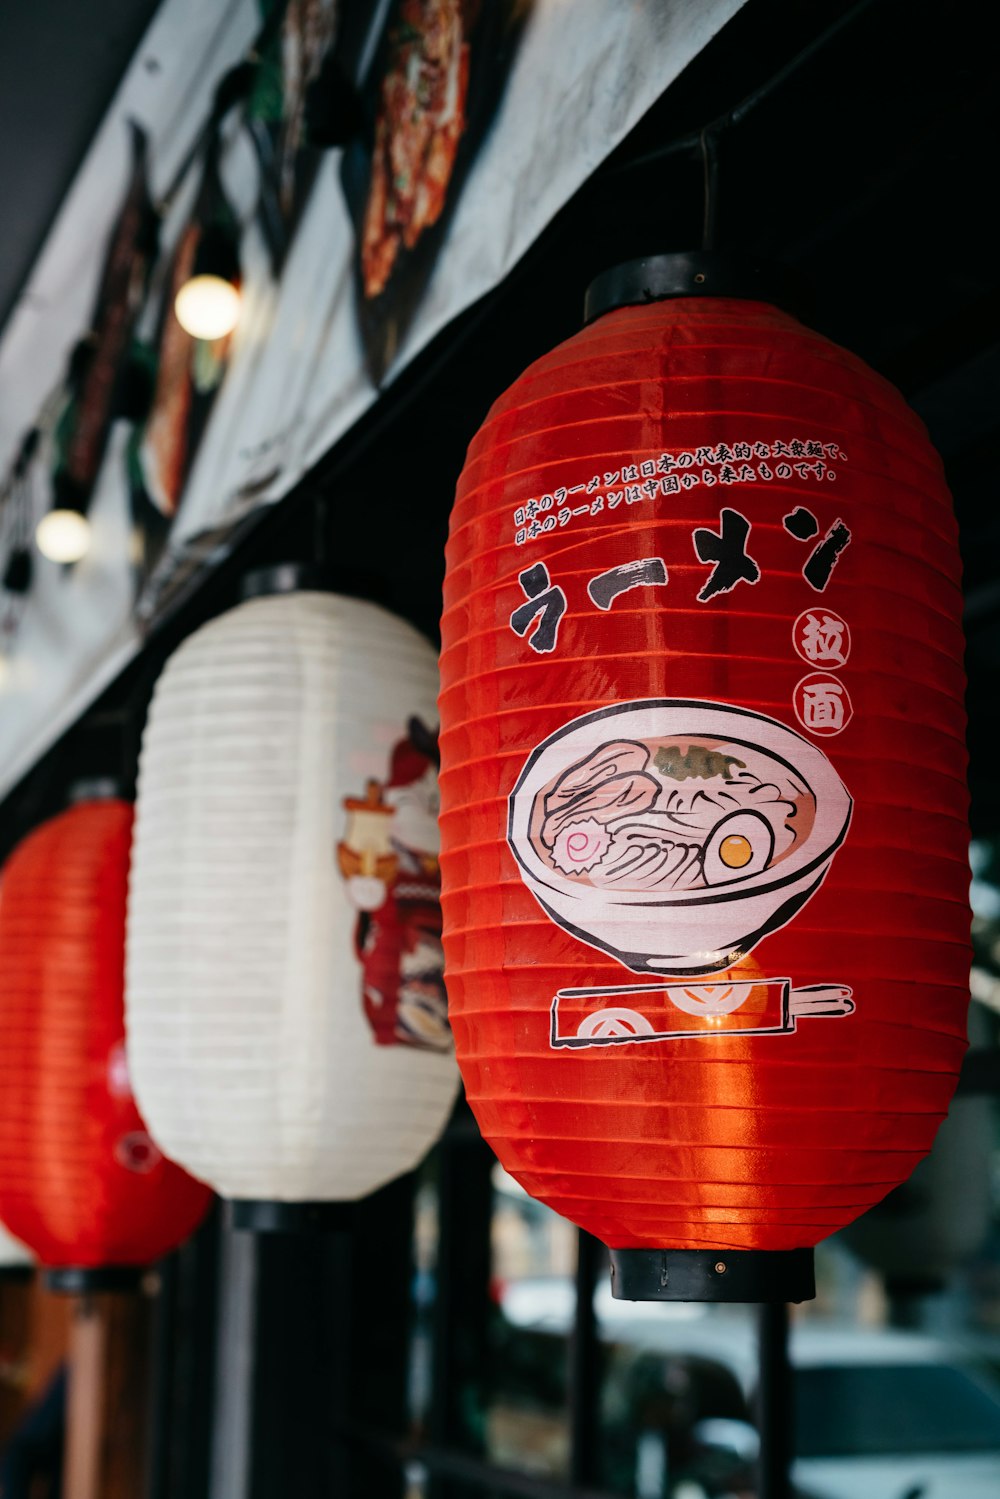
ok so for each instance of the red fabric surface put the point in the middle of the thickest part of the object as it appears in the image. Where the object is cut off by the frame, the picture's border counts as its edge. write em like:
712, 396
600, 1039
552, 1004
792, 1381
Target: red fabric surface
81, 1183
771, 1125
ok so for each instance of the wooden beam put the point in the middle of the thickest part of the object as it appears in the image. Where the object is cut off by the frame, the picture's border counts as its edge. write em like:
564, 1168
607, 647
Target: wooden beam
108, 1398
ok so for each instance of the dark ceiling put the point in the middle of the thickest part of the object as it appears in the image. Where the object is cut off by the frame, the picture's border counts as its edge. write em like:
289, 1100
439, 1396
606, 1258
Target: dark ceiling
60, 63
870, 171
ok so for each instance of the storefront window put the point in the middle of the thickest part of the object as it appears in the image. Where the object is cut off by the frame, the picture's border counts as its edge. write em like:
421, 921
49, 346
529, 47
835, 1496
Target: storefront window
897, 1361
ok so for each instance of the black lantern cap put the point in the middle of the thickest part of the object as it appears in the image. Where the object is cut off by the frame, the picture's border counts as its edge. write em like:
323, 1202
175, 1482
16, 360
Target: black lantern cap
712, 1275
95, 789
68, 494
15, 1275
75, 1280
217, 253
694, 273
264, 1217
286, 577
17, 574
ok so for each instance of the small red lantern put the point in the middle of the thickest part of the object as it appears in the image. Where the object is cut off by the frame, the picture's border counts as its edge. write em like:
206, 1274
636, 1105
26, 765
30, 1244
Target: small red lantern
81, 1182
705, 853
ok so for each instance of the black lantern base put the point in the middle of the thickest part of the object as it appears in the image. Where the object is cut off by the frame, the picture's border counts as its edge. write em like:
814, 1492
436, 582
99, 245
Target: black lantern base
77, 1280
712, 1275
259, 1217
95, 789
16, 1275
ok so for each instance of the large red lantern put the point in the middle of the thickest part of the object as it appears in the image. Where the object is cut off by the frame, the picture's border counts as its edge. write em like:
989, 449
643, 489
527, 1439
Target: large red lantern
703, 802
81, 1182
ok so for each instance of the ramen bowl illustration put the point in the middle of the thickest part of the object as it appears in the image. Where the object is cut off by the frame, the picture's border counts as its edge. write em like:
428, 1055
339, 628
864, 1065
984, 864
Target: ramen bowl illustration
675, 834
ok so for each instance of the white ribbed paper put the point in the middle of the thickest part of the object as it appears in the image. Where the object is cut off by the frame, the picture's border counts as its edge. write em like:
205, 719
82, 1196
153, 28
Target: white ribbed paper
252, 1060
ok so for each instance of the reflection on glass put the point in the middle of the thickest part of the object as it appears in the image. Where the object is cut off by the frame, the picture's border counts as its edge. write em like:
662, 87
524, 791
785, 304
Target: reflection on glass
426, 1229
534, 1260
879, 1409
897, 1360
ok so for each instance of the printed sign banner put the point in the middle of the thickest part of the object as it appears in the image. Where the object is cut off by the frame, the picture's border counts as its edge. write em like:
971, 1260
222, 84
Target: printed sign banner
438, 80
349, 264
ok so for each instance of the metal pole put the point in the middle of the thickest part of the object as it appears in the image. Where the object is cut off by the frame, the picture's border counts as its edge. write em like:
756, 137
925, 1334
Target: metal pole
584, 1365
775, 1413
232, 1426
461, 1311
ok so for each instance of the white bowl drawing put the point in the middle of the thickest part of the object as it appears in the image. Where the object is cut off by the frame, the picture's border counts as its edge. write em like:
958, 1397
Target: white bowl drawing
681, 931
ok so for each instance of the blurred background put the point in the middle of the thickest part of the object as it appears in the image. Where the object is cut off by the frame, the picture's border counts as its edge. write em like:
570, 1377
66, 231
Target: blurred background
457, 1339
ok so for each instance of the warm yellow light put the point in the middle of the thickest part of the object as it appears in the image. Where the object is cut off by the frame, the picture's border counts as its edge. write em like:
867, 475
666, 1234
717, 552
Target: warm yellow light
63, 535
207, 307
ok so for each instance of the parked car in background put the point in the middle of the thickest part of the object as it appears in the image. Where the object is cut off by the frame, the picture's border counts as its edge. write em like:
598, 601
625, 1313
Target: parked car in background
879, 1413
893, 1415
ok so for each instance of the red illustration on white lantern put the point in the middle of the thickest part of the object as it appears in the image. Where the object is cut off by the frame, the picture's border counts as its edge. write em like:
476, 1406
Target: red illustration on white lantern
389, 859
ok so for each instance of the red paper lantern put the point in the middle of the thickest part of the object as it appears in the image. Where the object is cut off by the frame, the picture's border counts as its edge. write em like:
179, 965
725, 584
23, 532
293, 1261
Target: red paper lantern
705, 853
81, 1182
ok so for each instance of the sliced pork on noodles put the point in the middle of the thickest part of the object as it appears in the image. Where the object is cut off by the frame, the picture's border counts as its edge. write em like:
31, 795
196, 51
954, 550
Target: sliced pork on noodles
670, 815
608, 784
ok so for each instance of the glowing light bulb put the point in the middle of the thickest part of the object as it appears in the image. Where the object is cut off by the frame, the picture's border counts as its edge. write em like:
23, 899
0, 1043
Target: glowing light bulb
208, 306
63, 535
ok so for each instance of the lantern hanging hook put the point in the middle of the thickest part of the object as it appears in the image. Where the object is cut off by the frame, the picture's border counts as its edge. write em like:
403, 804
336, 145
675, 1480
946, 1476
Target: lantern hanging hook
321, 530
683, 145
709, 147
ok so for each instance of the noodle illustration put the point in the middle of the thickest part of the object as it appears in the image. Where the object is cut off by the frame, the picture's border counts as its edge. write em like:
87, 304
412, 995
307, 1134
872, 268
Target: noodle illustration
670, 814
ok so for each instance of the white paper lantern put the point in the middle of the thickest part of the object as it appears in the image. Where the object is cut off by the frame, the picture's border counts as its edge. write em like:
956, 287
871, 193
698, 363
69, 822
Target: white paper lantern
286, 1016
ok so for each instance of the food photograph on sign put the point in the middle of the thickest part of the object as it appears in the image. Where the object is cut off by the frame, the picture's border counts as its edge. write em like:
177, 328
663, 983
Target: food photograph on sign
300, 36
183, 375
430, 98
